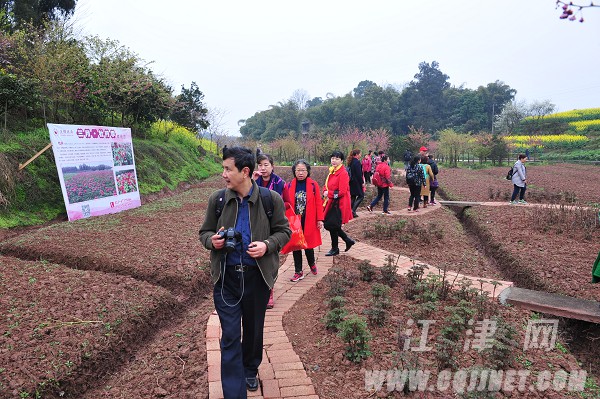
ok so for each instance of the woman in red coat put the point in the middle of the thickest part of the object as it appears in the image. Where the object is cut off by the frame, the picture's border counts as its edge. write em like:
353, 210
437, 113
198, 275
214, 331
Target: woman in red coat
337, 188
302, 193
384, 190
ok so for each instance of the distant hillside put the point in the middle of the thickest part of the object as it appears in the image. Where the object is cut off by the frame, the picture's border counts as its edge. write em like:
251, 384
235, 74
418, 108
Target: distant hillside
577, 121
563, 136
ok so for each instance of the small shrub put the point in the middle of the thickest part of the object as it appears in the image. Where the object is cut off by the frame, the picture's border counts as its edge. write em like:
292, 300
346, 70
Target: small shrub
337, 282
386, 228
499, 356
413, 278
381, 295
433, 228
334, 317
367, 271
445, 352
337, 302
457, 320
389, 272
377, 313
465, 291
421, 311
377, 316
355, 333
336, 288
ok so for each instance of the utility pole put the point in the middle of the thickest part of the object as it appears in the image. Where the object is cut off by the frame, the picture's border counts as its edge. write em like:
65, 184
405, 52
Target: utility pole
493, 118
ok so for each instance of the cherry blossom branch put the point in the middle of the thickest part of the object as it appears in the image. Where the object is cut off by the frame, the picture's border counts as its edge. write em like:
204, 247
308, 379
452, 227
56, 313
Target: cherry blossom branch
569, 13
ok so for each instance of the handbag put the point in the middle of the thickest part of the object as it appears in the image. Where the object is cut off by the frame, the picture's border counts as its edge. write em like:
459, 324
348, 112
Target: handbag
333, 218
435, 183
297, 240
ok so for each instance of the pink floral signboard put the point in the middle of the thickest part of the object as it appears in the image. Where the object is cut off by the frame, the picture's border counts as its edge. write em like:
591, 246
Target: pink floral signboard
96, 168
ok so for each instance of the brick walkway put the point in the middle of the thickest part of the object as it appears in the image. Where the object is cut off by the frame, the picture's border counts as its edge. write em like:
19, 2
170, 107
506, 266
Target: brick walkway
282, 373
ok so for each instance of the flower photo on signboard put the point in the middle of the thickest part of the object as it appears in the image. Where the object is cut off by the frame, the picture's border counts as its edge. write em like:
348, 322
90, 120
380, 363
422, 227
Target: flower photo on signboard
88, 182
122, 154
126, 182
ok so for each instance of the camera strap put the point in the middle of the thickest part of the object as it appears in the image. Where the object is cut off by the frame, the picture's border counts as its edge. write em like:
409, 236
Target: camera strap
242, 284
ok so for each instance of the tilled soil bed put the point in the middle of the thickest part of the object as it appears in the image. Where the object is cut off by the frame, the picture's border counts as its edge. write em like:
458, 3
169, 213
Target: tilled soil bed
392, 345
60, 325
436, 238
132, 341
570, 183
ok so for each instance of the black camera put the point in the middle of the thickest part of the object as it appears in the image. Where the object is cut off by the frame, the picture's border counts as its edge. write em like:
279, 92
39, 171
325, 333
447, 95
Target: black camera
231, 237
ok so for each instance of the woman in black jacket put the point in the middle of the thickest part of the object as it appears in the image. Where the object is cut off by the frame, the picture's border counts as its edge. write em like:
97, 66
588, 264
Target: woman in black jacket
357, 180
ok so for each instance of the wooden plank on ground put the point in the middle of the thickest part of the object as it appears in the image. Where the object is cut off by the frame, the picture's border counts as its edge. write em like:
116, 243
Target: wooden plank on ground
555, 304
460, 203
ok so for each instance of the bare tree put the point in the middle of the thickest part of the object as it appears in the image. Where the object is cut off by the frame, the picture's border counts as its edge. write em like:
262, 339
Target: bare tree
539, 109
300, 97
512, 113
216, 127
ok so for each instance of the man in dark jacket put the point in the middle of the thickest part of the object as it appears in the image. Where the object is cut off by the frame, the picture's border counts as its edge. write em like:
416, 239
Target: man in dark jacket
407, 158
244, 266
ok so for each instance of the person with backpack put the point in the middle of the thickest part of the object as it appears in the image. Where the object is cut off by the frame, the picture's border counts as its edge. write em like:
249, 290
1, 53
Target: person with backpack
407, 158
244, 244
415, 178
519, 180
336, 194
265, 177
433, 184
357, 181
384, 172
303, 195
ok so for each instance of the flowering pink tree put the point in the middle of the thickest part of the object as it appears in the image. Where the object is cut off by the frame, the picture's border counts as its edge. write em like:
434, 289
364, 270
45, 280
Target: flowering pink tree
379, 140
418, 138
352, 138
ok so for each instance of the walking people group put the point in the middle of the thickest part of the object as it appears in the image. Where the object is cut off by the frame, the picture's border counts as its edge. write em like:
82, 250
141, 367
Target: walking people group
246, 227
421, 178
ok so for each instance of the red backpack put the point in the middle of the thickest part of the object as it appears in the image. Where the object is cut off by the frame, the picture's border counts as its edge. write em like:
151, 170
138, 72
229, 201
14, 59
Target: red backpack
377, 180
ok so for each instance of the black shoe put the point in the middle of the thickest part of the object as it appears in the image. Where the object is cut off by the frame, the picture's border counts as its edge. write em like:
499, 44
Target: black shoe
349, 244
333, 252
252, 384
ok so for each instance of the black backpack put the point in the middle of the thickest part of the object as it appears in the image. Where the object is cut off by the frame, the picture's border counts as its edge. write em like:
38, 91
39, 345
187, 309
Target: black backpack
434, 167
510, 173
410, 176
265, 198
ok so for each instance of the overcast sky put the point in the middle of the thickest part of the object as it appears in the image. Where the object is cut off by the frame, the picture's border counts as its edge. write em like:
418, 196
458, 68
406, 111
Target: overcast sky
247, 55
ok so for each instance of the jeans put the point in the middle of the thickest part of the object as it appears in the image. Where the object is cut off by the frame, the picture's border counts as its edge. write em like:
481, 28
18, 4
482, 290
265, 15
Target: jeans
385, 193
520, 191
240, 296
310, 258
